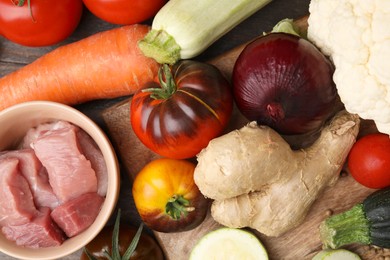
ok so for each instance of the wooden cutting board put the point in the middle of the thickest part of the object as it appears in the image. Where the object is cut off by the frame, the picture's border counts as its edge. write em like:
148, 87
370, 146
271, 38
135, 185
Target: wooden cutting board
300, 243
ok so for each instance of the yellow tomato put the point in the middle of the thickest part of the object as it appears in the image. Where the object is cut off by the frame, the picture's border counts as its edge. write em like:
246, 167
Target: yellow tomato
167, 197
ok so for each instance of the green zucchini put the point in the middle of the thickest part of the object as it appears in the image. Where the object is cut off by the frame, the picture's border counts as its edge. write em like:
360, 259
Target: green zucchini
366, 223
336, 254
182, 29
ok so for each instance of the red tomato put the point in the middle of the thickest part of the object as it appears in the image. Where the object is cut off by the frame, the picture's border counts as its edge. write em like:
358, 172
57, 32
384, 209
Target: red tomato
43, 23
369, 161
193, 108
124, 11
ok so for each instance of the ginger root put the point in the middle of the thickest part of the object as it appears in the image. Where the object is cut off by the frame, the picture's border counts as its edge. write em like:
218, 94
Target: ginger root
258, 181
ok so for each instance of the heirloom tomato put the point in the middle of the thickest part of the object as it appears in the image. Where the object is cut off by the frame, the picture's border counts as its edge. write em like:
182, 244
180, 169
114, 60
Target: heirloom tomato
118, 241
39, 22
369, 161
124, 11
166, 196
178, 119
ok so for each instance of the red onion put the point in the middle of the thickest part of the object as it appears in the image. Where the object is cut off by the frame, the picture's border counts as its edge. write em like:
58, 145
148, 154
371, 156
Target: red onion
285, 82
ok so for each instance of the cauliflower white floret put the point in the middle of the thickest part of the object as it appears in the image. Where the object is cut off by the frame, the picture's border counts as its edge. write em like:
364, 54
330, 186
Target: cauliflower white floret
356, 36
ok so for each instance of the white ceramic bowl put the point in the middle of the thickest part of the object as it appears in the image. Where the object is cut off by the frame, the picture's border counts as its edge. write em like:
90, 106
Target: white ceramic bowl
14, 123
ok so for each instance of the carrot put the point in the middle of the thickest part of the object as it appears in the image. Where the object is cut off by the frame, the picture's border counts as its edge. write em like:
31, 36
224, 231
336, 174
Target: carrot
102, 66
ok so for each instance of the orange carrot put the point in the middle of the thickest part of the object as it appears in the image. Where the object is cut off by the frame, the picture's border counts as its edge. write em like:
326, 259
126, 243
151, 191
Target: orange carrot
105, 65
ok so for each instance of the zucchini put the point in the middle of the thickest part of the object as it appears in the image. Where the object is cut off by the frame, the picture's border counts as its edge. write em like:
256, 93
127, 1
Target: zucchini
336, 254
229, 243
366, 223
184, 29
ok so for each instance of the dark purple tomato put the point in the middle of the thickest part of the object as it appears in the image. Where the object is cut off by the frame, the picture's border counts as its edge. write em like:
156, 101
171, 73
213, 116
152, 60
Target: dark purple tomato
177, 117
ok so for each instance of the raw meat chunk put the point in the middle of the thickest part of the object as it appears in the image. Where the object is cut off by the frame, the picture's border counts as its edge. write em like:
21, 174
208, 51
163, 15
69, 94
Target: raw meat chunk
78, 214
36, 176
87, 146
35, 132
95, 156
70, 173
40, 232
16, 200
43, 194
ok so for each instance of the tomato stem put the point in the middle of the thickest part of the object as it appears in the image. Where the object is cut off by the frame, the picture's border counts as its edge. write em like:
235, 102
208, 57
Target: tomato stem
18, 3
178, 205
167, 83
21, 3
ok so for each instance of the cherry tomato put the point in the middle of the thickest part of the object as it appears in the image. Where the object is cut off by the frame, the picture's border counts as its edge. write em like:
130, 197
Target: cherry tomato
167, 197
124, 11
39, 22
178, 119
147, 248
369, 161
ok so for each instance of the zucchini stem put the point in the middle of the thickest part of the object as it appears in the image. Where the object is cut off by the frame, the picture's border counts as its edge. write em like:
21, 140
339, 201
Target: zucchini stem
161, 46
348, 227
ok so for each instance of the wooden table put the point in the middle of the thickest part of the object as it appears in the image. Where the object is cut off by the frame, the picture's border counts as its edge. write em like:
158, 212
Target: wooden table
13, 56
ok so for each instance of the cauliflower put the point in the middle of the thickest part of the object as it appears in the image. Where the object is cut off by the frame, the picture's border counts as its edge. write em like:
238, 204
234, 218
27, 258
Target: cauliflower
355, 34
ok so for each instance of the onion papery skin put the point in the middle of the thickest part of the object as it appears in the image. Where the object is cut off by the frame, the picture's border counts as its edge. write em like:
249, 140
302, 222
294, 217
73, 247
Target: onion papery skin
285, 82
